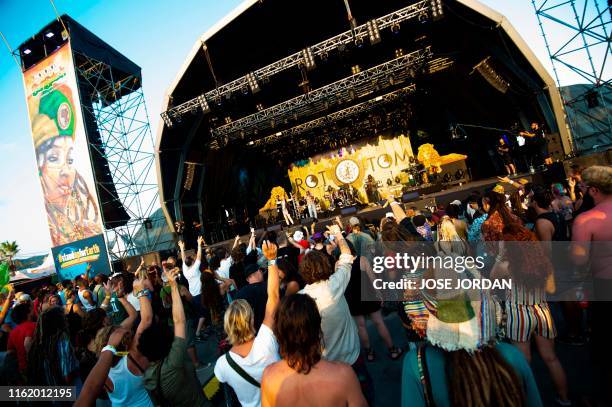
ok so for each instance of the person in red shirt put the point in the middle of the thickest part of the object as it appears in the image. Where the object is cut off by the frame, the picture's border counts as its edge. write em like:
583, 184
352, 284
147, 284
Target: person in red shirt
20, 338
299, 242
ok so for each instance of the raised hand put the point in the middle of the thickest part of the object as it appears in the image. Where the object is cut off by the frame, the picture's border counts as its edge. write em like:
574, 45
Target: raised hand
269, 250
171, 275
108, 287
200, 241
334, 229
116, 337
571, 182
181, 245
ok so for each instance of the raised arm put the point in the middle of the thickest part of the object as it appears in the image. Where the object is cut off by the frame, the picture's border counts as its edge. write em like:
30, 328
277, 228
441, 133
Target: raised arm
178, 313
181, 246
236, 242
7, 303
270, 250
200, 245
95, 379
396, 207
146, 311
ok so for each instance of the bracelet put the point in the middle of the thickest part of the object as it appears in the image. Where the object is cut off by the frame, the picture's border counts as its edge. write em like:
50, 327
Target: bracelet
142, 293
109, 348
272, 262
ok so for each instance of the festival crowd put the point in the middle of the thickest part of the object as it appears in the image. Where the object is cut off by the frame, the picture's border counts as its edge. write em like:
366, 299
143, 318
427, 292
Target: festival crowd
288, 312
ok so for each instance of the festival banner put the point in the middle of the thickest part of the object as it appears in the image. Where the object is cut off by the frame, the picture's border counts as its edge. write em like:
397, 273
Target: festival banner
62, 155
74, 259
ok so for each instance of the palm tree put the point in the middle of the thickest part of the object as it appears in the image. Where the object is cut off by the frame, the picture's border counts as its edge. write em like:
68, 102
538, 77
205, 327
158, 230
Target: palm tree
8, 250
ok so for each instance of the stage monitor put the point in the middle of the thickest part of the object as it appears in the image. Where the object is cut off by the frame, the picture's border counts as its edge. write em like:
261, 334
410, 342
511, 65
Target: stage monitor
410, 196
349, 210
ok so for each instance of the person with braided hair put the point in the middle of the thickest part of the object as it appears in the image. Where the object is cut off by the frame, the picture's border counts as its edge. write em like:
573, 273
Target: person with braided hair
51, 359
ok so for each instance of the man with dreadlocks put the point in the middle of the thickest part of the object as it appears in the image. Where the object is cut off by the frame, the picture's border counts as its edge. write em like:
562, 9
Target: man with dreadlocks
51, 360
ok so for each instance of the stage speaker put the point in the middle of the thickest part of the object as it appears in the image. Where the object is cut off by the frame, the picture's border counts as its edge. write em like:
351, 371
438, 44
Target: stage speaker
276, 226
307, 221
410, 196
431, 189
349, 210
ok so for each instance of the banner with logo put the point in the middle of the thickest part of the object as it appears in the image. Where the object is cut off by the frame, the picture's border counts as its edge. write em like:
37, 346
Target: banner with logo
85, 255
62, 155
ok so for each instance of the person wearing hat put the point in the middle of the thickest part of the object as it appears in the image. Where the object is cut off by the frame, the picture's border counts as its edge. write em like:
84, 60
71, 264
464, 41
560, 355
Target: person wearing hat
461, 363
255, 292
299, 242
72, 211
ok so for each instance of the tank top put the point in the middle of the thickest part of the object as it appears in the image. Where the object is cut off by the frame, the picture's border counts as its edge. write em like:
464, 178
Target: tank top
128, 389
561, 230
87, 306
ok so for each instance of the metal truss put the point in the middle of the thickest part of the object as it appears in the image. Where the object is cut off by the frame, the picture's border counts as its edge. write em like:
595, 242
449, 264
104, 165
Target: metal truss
580, 48
339, 115
318, 100
122, 121
421, 10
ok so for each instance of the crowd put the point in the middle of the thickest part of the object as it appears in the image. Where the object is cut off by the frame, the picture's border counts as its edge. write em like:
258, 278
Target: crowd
289, 314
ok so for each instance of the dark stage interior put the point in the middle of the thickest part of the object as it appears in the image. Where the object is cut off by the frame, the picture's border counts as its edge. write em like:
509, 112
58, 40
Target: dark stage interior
221, 158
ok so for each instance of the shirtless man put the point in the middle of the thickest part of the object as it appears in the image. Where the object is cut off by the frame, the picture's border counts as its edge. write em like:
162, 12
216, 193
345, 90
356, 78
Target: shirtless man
302, 378
595, 225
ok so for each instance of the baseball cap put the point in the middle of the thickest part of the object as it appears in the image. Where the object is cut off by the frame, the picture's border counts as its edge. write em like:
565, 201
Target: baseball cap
389, 215
298, 235
354, 221
250, 269
456, 202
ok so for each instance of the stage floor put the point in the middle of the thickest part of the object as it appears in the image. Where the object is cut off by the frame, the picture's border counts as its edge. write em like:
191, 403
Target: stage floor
371, 213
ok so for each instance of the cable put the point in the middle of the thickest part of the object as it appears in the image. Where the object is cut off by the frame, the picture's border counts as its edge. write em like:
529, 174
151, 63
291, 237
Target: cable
59, 18
10, 50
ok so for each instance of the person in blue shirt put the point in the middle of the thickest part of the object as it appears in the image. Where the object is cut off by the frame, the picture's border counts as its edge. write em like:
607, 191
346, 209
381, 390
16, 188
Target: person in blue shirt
461, 364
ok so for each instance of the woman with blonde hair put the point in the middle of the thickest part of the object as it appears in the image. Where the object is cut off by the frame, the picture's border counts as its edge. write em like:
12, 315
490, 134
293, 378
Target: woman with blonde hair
449, 242
251, 352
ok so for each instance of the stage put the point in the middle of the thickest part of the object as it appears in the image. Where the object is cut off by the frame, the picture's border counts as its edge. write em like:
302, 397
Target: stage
373, 213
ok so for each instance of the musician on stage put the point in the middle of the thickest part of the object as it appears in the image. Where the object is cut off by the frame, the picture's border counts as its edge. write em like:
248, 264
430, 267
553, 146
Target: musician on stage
503, 150
371, 188
284, 209
536, 144
311, 205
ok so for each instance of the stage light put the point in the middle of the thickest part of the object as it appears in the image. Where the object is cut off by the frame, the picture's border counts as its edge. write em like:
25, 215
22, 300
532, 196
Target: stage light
379, 98
280, 133
308, 57
436, 9
359, 42
27, 51
166, 119
399, 53
355, 69
203, 104
252, 81
250, 143
395, 28
373, 32
352, 94
228, 120
391, 80
49, 34
259, 107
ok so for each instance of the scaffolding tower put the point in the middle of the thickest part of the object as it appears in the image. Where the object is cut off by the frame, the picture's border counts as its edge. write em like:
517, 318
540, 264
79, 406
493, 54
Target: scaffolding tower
126, 142
580, 50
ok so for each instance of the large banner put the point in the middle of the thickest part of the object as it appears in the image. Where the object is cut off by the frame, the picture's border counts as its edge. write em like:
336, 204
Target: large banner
62, 156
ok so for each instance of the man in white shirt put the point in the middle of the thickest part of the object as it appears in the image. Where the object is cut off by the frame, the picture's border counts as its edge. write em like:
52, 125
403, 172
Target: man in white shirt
327, 287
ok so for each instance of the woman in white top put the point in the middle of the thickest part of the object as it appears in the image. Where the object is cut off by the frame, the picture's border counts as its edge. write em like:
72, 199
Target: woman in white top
250, 352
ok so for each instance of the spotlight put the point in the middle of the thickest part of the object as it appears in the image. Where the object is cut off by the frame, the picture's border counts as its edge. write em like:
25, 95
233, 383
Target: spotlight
373, 32
166, 118
49, 34
252, 81
352, 94
27, 51
259, 107
395, 28
309, 61
355, 69
228, 120
203, 104
436, 9
399, 53
359, 42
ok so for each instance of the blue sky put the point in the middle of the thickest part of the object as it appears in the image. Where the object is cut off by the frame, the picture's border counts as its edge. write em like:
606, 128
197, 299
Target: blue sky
155, 34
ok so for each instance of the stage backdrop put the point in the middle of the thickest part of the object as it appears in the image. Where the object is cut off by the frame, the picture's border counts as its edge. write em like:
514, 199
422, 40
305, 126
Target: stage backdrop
382, 158
64, 166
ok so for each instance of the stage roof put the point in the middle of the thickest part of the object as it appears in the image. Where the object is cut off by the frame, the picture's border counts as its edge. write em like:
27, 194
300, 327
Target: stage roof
260, 33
